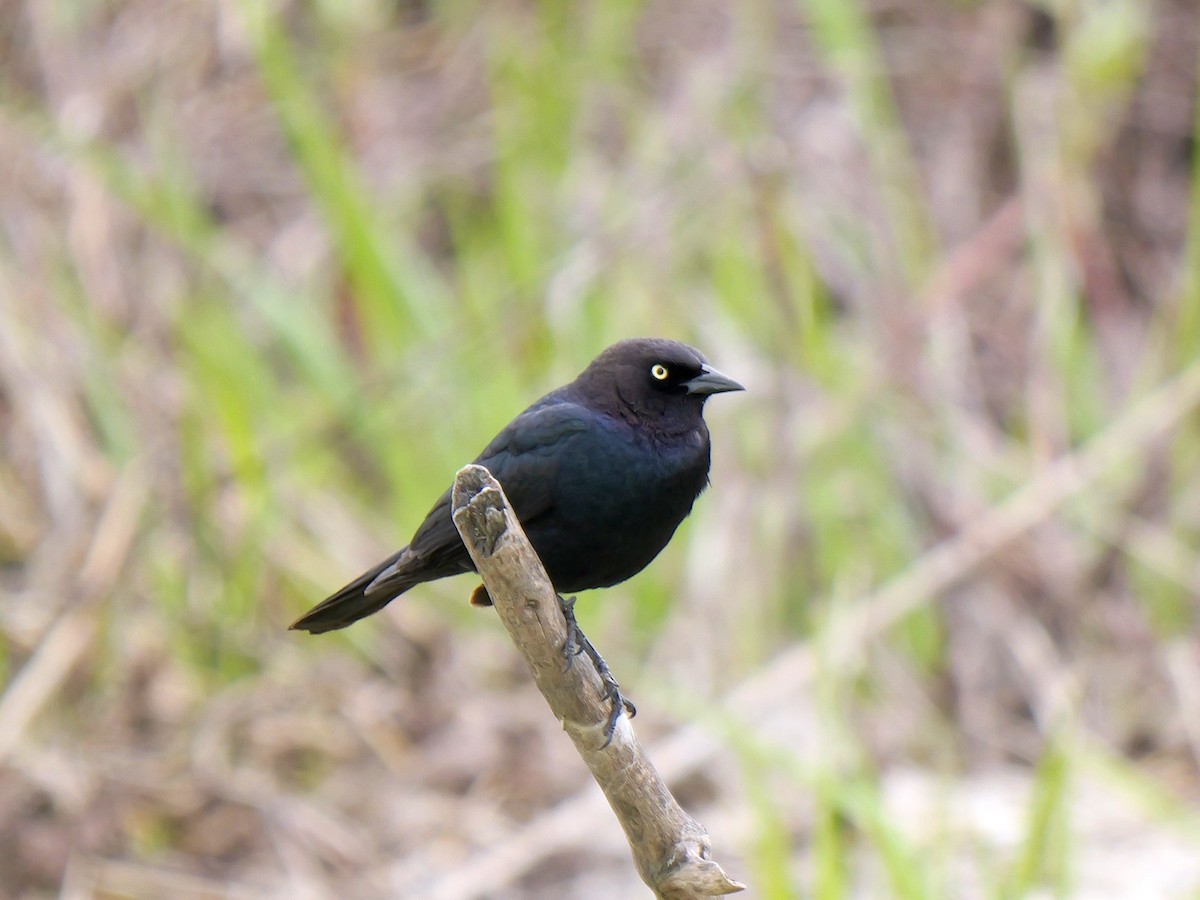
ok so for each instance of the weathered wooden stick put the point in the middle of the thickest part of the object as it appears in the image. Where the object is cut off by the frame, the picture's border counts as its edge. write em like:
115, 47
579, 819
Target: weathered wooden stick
670, 848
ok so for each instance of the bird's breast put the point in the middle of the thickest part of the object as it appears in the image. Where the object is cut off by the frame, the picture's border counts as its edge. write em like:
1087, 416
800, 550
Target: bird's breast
618, 501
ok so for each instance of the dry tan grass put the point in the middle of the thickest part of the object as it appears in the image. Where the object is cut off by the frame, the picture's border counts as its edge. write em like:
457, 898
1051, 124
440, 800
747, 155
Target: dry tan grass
955, 523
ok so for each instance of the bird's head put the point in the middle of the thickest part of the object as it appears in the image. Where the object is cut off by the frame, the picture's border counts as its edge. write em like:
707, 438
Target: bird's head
655, 377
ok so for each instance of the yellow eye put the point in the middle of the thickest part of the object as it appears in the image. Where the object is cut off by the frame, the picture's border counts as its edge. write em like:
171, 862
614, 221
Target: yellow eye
659, 371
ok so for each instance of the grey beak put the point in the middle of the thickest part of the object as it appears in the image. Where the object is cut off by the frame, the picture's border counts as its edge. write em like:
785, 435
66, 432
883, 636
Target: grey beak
710, 381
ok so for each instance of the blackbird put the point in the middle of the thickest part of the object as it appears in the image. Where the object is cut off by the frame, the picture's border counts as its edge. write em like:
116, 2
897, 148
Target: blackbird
599, 473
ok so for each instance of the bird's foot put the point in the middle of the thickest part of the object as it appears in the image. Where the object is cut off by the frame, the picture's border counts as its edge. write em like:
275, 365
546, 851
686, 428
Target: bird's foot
577, 643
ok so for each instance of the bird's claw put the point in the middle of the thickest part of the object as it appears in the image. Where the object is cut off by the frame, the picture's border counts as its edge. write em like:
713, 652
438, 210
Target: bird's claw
577, 643
620, 703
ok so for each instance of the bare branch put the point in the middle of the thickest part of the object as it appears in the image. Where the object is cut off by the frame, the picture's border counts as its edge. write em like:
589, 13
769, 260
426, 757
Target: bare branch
670, 848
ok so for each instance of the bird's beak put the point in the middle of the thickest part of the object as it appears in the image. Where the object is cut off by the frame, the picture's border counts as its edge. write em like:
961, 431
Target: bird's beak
710, 381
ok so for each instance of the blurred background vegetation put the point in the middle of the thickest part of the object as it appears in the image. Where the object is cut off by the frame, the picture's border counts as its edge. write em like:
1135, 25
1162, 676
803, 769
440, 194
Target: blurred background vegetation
270, 272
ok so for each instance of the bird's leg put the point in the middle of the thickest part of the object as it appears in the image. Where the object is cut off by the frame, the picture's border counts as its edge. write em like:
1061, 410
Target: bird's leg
575, 636
577, 642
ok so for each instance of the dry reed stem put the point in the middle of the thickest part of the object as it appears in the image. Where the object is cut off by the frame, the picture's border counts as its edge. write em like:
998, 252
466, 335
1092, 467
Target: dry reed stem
67, 639
670, 848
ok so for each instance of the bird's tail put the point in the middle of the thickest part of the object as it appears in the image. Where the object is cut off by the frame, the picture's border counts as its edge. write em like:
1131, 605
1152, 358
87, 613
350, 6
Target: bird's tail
366, 594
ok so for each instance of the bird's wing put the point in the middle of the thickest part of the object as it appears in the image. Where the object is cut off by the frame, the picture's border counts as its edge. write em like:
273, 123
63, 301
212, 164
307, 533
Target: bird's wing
524, 458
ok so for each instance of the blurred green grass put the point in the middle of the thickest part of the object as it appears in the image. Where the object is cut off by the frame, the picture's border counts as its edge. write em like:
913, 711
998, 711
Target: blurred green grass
440, 302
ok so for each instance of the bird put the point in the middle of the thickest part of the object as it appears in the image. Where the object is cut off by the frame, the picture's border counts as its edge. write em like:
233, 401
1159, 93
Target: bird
599, 473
